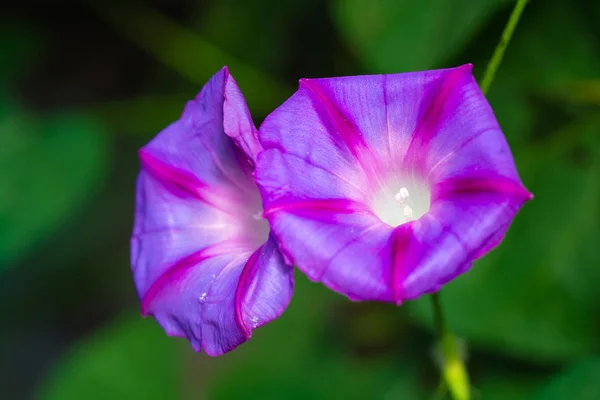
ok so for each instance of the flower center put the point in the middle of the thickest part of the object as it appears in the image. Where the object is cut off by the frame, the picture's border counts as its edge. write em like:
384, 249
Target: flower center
259, 228
401, 200
252, 226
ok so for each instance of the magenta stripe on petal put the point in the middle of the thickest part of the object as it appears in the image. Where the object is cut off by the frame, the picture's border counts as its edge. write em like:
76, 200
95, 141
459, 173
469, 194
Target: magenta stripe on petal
248, 274
259, 284
400, 242
350, 136
427, 126
354, 142
343, 206
173, 274
497, 184
182, 179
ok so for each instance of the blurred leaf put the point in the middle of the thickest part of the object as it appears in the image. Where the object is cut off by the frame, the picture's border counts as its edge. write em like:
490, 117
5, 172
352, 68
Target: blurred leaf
269, 45
579, 92
292, 358
580, 381
536, 295
188, 53
402, 35
141, 116
48, 167
131, 359
565, 52
495, 383
565, 48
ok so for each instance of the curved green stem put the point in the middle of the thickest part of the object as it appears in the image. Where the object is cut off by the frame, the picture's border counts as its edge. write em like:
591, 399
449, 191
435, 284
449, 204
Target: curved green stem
453, 369
492, 67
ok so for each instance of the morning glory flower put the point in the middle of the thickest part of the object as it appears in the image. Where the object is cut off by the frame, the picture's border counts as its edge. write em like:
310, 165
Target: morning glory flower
203, 261
386, 187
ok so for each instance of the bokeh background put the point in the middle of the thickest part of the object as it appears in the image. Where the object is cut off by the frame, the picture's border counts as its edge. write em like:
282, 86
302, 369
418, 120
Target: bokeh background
83, 85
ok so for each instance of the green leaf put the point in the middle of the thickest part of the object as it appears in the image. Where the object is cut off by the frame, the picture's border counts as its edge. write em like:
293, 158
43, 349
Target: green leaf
536, 295
131, 359
403, 35
578, 382
48, 168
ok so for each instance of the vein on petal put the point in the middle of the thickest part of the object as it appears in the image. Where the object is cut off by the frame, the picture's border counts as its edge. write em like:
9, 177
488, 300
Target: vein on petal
387, 116
140, 235
356, 238
459, 148
216, 161
311, 163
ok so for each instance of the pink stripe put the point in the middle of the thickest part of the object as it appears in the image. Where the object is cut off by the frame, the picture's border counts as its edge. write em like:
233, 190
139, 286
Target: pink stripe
401, 262
493, 184
348, 132
428, 123
182, 179
344, 206
179, 269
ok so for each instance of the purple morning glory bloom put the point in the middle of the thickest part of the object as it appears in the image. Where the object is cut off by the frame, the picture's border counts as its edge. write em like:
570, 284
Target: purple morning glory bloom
385, 187
203, 261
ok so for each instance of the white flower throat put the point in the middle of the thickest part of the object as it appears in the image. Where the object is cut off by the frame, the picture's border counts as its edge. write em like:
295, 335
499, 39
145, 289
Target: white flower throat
401, 201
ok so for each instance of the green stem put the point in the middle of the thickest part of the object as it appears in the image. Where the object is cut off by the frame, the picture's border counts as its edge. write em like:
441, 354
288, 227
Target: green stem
492, 67
453, 369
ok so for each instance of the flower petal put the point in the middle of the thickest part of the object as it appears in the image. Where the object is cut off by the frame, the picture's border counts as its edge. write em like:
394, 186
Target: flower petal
171, 224
347, 251
237, 121
217, 300
196, 146
305, 180
202, 261
341, 149
265, 287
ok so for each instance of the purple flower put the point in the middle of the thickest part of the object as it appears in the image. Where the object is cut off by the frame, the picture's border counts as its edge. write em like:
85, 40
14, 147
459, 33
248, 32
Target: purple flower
385, 187
203, 261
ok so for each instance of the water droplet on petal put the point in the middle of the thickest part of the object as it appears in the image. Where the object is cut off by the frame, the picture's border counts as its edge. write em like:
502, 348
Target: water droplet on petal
254, 321
202, 297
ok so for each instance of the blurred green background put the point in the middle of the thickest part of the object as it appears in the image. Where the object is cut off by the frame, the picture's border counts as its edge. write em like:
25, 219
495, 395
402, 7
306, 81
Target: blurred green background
83, 86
